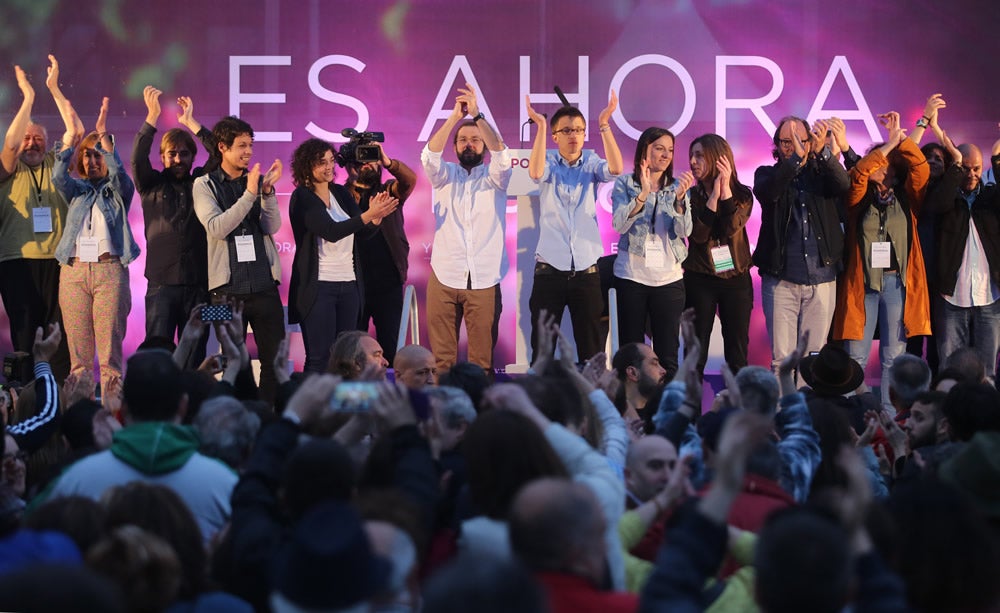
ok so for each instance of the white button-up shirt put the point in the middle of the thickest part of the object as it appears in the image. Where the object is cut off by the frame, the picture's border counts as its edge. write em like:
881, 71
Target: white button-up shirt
974, 287
470, 220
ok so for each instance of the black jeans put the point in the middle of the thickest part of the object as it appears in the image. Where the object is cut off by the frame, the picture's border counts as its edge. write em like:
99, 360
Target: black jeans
335, 310
263, 311
30, 292
384, 307
553, 291
733, 299
662, 306
167, 310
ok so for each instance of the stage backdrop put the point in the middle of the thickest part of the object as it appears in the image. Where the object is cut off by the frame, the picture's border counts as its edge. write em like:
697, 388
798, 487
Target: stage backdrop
311, 68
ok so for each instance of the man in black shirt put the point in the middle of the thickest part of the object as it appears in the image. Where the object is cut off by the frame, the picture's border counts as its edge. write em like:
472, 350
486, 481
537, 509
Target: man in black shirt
176, 258
384, 256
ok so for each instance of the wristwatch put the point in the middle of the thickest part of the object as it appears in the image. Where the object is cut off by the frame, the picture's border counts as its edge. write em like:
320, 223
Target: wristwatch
923, 122
479, 116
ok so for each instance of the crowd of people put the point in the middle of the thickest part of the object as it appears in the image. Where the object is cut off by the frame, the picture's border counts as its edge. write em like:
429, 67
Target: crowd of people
593, 483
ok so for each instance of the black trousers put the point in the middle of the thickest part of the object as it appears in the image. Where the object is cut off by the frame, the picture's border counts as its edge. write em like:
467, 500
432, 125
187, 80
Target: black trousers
662, 307
553, 291
30, 293
733, 299
168, 308
384, 307
264, 312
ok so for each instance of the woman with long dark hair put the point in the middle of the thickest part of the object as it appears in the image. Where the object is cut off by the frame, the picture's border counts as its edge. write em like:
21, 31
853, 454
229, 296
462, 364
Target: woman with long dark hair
324, 297
650, 212
717, 269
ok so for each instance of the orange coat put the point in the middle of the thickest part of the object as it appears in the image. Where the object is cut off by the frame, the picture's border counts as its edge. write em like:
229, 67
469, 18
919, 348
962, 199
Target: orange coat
849, 317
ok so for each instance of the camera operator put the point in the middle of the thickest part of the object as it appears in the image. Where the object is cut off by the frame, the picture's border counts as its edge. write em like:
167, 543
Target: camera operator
384, 256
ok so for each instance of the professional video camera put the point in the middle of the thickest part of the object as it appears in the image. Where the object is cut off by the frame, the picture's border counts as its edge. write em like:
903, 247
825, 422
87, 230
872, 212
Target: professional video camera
359, 150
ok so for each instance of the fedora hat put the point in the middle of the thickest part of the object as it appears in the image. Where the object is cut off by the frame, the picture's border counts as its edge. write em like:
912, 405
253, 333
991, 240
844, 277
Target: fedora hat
832, 371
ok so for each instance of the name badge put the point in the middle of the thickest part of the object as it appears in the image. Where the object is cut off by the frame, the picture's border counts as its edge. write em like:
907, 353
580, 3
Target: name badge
881, 254
41, 219
655, 256
86, 249
722, 258
244, 248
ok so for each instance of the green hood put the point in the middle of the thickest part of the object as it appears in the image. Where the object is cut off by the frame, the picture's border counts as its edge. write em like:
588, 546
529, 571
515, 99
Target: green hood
155, 448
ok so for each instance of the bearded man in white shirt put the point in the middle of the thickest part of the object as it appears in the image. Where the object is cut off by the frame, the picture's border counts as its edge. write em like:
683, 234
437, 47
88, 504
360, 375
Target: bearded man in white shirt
468, 257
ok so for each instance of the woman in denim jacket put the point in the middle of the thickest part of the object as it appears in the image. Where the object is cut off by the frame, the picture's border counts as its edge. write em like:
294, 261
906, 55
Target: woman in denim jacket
96, 247
650, 212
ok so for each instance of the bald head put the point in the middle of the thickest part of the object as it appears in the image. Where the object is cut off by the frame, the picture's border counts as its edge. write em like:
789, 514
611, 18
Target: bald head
647, 466
414, 366
972, 166
558, 525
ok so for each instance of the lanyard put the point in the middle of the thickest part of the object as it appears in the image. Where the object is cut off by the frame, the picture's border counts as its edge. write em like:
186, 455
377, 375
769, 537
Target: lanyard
37, 181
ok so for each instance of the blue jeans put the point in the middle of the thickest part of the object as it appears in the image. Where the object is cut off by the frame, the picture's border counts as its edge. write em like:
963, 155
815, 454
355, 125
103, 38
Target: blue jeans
886, 308
335, 310
976, 327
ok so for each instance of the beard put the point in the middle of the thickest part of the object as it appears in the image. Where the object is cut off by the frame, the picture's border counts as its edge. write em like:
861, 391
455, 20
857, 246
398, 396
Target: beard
33, 156
647, 386
368, 178
179, 171
468, 158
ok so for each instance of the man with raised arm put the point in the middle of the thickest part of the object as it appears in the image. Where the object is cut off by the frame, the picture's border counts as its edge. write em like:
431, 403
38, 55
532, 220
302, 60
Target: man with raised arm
801, 242
32, 216
968, 257
468, 258
385, 255
569, 241
239, 209
176, 256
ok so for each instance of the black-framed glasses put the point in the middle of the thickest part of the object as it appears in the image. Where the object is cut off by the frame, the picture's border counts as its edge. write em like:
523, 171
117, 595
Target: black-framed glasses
570, 131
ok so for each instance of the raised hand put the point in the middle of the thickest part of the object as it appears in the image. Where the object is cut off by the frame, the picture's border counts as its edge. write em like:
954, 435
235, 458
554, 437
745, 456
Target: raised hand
24, 85
948, 144
52, 78
44, 348
685, 181
467, 98
272, 176
817, 136
253, 178
839, 134
645, 181
544, 331
392, 406
186, 116
537, 118
151, 96
102, 117
605, 116
790, 363
934, 104
380, 206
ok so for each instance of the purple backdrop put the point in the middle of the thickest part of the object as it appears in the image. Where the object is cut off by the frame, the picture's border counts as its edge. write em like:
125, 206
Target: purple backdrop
304, 68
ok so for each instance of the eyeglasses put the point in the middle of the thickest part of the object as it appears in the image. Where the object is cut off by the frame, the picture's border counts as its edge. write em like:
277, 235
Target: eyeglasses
474, 140
20, 456
570, 131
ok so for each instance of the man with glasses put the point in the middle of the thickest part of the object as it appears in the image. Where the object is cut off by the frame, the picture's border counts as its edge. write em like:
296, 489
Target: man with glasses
32, 216
801, 240
468, 257
569, 241
968, 258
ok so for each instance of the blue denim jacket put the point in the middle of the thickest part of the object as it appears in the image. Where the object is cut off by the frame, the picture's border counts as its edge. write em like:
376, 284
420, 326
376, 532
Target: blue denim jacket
635, 230
112, 195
